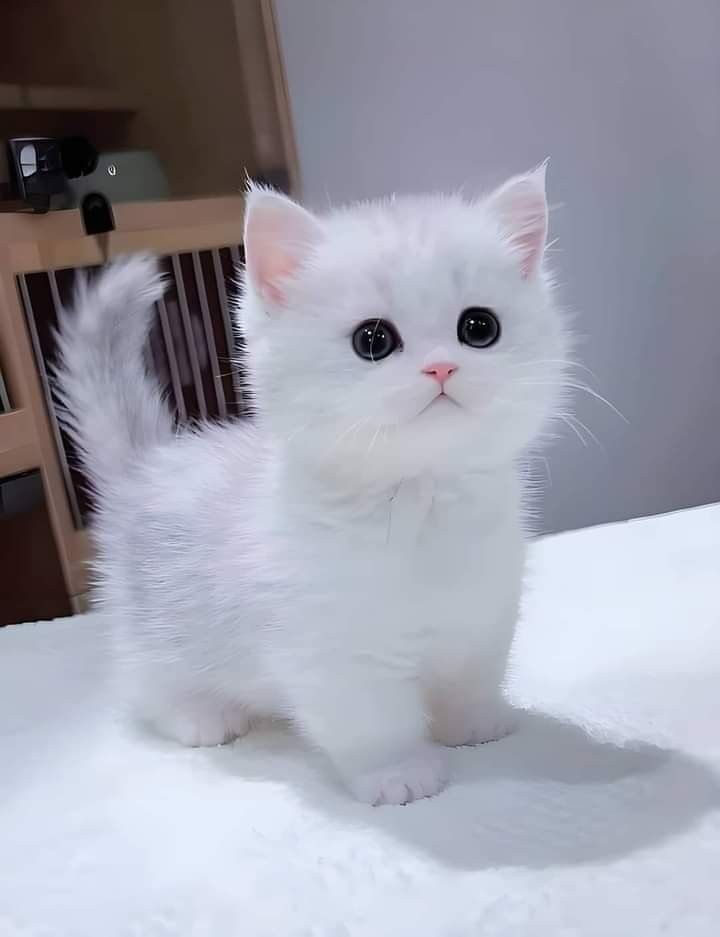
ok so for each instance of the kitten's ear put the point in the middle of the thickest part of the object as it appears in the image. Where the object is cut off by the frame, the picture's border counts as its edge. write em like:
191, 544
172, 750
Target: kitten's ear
279, 237
520, 206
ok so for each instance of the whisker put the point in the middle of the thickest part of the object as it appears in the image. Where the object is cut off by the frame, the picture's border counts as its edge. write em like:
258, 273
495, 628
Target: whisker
572, 385
574, 428
597, 396
590, 433
562, 361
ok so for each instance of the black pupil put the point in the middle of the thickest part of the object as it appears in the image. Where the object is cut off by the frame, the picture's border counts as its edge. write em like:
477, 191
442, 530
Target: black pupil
375, 340
478, 327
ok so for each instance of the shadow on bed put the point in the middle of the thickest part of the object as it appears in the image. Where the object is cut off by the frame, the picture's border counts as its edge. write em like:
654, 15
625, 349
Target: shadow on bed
551, 794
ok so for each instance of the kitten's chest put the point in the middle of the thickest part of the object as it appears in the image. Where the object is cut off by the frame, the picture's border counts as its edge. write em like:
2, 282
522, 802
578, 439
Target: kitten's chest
402, 574
421, 538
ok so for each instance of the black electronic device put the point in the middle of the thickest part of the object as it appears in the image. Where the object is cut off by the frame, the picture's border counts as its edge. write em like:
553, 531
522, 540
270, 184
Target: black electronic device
39, 168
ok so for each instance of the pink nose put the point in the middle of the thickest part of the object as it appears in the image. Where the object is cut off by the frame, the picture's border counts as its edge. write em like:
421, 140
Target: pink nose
440, 370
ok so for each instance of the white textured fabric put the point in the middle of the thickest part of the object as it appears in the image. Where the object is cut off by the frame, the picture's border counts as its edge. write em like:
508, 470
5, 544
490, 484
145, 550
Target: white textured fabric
600, 816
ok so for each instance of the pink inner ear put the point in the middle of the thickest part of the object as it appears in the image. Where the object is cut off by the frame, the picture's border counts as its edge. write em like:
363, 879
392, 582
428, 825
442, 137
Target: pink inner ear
521, 209
531, 243
279, 238
271, 277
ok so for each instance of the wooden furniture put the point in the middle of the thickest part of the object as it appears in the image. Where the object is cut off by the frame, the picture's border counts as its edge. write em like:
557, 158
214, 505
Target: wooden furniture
199, 83
199, 235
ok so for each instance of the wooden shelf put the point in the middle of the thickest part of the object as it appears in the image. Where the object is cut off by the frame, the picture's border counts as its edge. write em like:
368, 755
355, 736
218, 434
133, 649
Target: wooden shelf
57, 239
65, 98
19, 450
10, 97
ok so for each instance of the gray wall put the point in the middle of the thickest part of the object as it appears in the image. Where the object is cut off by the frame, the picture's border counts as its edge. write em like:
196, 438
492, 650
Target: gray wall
624, 96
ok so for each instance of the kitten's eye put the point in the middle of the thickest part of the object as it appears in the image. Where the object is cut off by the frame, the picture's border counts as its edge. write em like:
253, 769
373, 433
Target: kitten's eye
478, 327
375, 340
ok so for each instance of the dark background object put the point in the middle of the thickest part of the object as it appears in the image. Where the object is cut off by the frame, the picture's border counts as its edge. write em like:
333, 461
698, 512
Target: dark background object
36, 173
39, 168
31, 581
78, 157
97, 214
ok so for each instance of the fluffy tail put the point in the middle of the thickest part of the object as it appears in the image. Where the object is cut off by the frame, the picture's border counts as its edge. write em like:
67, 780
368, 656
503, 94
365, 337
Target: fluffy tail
109, 404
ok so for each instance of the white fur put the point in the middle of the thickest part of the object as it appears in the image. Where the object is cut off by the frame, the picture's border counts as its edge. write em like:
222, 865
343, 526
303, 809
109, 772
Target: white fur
344, 560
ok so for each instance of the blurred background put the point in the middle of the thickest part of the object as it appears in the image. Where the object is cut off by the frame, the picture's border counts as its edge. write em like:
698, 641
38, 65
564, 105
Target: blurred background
132, 124
623, 97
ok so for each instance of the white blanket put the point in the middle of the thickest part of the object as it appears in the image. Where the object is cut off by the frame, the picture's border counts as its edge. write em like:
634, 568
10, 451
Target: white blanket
599, 817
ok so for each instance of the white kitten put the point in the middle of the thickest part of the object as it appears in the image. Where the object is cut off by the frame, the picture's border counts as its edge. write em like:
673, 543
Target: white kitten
353, 558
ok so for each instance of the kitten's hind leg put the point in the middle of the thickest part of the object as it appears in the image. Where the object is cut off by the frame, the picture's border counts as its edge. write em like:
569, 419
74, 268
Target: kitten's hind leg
200, 719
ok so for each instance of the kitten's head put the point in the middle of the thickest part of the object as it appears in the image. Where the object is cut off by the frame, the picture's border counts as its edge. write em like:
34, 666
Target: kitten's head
407, 335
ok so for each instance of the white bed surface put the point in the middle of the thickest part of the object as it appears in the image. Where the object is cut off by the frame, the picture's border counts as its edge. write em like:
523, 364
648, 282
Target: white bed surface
599, 817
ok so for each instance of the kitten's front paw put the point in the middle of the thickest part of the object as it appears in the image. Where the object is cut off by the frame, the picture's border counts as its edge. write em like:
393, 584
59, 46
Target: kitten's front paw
420, 774
474, 727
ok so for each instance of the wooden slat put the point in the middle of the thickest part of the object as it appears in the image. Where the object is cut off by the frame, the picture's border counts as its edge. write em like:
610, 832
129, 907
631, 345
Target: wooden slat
19, 451
26, 392
169, 344
190, 343
209, 335
45, 382
227, 323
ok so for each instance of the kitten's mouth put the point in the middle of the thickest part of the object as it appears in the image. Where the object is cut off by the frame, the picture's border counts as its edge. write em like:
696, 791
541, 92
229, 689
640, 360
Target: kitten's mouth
439, 400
